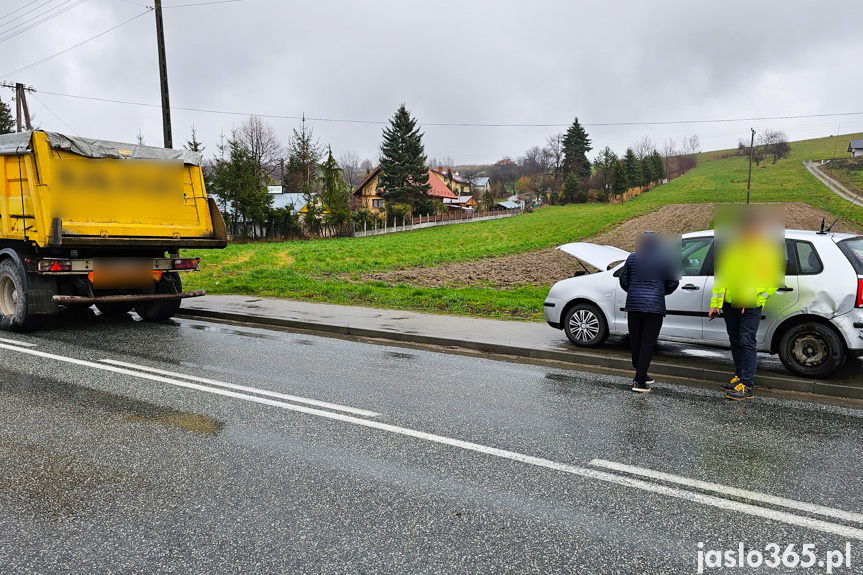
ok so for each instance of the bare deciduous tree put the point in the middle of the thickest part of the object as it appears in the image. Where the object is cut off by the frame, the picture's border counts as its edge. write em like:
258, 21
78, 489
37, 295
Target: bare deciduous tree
775, 144
554, 151
349, 162
643, 147
262, 144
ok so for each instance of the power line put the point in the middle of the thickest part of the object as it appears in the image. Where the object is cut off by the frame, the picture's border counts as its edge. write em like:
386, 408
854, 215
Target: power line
27, 12
18, 9
10, 34
211, 2
51, 57
54, 114
456, 124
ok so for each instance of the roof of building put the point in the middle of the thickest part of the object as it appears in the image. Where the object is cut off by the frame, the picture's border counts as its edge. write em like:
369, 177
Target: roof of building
483, 181
855, 145
439, 189
508, 205
458, 200
372, 174
455, 176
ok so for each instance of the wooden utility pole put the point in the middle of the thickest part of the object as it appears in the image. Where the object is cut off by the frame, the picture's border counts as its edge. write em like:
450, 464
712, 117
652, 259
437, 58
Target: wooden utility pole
163, 77
751, 147
22, 120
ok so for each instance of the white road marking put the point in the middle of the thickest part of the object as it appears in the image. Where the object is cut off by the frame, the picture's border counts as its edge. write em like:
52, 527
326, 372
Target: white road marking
176, 382
294, 398
831, 512
843, 531
16, 342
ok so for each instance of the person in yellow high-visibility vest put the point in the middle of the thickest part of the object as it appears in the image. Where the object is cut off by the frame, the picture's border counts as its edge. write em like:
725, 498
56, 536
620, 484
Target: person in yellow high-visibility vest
748, 267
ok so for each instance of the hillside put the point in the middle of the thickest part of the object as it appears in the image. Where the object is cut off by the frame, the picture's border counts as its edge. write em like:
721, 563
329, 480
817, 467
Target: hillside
358, 271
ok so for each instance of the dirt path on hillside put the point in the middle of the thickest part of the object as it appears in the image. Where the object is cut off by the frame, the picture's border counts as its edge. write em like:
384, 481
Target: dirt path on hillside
544, 267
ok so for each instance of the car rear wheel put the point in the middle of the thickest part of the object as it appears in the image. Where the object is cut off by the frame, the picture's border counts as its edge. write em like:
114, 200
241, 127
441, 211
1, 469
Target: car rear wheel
585, 325
812, 349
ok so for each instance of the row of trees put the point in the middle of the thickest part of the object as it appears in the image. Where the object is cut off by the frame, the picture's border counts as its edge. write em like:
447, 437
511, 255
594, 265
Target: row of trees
561, 172
253, 157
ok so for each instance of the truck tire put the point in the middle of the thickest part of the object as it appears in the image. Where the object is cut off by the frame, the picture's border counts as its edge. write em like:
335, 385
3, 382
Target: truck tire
114, 308
163, 309
585, 325
812, 349
13, 300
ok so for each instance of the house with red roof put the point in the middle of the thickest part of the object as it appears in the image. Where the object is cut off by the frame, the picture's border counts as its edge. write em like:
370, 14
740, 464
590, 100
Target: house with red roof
369, 193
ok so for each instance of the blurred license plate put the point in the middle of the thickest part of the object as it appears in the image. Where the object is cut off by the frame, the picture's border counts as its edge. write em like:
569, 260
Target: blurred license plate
111, 273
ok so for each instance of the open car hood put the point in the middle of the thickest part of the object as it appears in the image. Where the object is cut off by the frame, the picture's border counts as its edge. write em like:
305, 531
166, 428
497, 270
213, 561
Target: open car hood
595, 255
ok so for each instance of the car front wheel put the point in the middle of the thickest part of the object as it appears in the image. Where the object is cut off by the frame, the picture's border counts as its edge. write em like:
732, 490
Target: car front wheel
585, 325
812, 350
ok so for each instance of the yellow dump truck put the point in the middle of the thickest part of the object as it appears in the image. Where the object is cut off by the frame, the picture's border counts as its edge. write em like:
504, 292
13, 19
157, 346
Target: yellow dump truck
86, 221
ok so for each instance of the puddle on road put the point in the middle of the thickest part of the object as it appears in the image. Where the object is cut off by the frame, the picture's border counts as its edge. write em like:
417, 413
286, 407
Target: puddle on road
229, 331
104, 405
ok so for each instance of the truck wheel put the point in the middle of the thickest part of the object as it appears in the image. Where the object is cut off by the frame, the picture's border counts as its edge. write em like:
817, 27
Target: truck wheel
585, 325
13, 300
164, 309
812, 350
114, 308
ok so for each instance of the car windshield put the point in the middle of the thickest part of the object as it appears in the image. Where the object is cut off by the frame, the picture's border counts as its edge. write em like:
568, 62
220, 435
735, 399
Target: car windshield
853, 250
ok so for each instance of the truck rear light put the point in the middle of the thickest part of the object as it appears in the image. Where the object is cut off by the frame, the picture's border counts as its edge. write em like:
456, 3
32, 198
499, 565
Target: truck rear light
186, 263
55, 265
859, 301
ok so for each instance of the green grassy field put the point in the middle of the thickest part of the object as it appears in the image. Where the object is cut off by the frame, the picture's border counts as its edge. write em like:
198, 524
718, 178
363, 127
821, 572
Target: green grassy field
330, 270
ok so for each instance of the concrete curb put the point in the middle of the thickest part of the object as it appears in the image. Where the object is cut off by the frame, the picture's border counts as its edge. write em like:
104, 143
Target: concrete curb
574, 357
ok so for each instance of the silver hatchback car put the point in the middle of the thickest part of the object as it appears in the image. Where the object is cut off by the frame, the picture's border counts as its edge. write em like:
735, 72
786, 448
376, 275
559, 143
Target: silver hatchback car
814, 322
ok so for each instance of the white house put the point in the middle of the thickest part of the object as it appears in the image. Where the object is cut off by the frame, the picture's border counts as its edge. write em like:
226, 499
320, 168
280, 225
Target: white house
856, 148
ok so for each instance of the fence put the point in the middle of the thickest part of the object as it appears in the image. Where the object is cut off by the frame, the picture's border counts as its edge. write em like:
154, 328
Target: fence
432, 220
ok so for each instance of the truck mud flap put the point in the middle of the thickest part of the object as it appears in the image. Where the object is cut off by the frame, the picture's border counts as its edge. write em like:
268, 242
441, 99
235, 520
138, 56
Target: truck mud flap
41, 302
76, 299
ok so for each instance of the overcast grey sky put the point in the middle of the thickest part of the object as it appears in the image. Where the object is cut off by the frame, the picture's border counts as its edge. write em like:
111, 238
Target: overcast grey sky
473, 61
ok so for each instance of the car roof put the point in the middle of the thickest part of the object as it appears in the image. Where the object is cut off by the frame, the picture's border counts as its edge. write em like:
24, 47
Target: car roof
792, 234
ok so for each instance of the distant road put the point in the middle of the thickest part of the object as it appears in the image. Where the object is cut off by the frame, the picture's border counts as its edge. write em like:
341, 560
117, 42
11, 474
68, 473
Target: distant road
831, 183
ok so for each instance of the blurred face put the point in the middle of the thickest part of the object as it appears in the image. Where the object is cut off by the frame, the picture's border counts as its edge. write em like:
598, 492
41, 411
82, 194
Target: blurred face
749, 249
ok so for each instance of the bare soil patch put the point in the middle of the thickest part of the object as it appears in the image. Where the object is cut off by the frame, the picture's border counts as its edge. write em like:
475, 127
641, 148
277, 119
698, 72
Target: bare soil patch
545, 267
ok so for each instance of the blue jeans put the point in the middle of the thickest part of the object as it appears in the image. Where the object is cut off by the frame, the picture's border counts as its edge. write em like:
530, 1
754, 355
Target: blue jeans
742, 327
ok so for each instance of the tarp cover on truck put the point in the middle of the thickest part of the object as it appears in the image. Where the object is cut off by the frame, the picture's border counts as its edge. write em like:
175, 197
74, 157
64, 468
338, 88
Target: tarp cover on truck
11, 144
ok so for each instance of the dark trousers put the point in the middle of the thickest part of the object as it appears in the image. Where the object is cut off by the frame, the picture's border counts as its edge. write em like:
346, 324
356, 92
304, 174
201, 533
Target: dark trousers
742, 327
643, 331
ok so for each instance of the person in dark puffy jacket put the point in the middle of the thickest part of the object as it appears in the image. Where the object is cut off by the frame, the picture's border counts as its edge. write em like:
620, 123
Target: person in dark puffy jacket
647, 277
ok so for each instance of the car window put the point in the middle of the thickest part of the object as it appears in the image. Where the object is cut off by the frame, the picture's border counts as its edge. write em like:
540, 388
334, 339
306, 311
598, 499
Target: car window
808, 262
694, 253
853, 250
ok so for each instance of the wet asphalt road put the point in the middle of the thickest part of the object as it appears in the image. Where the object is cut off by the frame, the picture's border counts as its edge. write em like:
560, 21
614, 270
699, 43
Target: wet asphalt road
110, 471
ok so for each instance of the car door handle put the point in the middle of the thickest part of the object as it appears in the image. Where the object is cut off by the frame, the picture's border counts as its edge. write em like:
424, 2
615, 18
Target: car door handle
690, 287
785, 289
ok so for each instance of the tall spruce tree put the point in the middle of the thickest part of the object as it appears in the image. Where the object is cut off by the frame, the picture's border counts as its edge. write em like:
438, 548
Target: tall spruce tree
658, 166
334, 193
621, 183
404, 175
633, 168
576, 145
301, 173
7, 123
